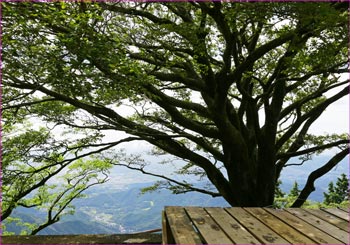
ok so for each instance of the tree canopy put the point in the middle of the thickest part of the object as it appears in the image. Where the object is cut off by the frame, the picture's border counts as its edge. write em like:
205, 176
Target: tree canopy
231, 89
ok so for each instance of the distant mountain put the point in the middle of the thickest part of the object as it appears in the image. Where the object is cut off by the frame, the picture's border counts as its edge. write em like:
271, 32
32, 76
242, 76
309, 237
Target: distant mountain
28, 216
300, 174
76, 227
128, 211
120, 208
112, 212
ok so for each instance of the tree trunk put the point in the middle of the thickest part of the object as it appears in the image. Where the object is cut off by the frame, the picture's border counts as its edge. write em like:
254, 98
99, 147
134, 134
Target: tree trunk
250, 193
252, 184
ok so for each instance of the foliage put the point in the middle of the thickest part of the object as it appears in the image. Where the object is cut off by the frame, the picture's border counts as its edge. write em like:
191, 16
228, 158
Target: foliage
294, 192
286, 200
41, 172
230, 89
340, 196
344, 204
339, 192
278, 192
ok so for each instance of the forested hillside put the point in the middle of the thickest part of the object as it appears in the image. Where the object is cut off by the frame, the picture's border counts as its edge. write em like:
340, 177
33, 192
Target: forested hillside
113, 208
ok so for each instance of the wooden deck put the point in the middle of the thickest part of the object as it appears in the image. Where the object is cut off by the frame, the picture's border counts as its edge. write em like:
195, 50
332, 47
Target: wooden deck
196, 225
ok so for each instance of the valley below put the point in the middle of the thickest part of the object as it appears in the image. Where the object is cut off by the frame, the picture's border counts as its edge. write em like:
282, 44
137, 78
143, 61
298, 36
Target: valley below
118, 207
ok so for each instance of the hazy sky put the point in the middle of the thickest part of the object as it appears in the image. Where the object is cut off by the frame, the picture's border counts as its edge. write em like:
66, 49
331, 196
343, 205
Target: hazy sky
334, 120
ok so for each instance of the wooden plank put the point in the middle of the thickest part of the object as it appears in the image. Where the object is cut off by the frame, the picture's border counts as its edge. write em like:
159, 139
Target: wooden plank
338, 212
328, 228
256, 227
207, 227
181, 226
166, 234
284, 230
335, 220
345, 209
234, 230
312, 232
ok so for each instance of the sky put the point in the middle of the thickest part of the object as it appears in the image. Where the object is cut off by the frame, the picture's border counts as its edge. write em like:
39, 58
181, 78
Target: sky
335, 119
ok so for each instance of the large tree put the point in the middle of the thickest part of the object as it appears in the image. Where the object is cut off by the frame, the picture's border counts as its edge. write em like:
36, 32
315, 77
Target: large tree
231, 88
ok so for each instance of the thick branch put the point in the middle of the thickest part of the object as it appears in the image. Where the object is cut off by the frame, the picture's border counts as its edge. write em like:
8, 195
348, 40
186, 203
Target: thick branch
318, 93
135, 12
192, 83
164, 102
101, 112
312, 149
224, 28
260, 51
312, 115
27, 104
214, 174
180, 11
200, 141
309, 186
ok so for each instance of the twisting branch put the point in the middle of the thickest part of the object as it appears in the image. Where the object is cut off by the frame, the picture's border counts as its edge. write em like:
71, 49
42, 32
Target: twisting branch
185, 185
310, 116
56, 217
298, 104
312, 149
27, 104
309, 186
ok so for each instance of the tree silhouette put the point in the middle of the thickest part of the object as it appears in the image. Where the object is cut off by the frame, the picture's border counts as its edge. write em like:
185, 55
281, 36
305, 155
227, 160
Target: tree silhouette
230, 90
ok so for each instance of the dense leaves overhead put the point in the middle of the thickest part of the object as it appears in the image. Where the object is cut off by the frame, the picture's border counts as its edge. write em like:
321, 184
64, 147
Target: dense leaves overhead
230, 88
